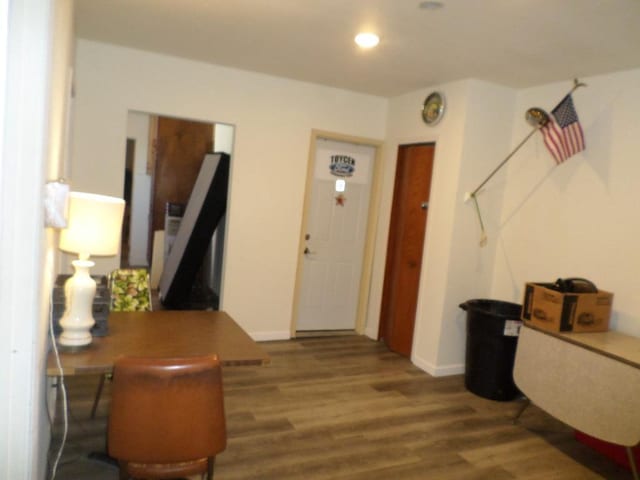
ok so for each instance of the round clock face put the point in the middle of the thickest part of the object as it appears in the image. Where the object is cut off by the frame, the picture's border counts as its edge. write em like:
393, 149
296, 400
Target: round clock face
433, 108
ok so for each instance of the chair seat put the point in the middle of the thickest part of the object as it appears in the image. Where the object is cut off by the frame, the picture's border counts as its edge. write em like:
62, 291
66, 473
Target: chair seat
166, 471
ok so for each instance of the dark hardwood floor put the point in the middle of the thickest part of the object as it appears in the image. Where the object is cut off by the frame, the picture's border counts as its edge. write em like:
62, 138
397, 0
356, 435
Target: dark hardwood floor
345, 408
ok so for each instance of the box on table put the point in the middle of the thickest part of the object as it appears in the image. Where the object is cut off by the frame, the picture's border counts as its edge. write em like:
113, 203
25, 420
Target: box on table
100, 310
549, 309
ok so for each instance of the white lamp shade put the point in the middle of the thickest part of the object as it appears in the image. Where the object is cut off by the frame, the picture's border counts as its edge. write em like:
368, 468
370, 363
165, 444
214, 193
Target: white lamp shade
94, 225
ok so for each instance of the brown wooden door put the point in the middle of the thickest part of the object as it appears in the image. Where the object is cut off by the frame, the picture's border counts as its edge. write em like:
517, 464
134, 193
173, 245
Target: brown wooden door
180, 146
404, 250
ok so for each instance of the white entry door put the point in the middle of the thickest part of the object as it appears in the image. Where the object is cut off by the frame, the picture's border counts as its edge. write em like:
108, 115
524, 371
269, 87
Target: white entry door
335, 236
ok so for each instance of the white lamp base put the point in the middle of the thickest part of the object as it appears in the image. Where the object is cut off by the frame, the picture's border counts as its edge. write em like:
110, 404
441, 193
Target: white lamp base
77, 320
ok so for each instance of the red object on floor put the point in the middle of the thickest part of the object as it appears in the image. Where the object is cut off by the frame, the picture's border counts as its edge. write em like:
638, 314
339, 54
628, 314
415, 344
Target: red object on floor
615, 452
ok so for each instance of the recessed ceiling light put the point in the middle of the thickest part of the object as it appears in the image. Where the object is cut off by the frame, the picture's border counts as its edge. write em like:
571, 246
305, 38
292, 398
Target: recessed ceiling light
367, 39
431, 5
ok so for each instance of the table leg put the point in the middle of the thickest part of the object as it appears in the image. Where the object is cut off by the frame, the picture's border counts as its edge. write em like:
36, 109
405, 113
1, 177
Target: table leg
524, 406
632, 463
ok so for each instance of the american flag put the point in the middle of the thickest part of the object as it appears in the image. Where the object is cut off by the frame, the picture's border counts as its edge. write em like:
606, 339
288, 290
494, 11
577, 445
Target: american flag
563, 134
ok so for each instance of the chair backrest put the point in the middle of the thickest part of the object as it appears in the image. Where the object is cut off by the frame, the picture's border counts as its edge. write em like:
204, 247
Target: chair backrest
130, 290
166, 410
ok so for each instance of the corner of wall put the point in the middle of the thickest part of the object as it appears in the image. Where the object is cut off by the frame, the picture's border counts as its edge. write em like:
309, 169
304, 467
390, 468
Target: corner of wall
437, 370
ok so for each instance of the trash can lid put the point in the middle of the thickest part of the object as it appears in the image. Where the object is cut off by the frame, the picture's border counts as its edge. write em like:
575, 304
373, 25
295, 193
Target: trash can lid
492, 307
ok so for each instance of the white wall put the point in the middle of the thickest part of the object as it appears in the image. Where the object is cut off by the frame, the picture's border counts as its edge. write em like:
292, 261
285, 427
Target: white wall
580, 218
138, 129
223, 138
273, 119
471, 139
223, 142
542, 221
33, 105
579, 224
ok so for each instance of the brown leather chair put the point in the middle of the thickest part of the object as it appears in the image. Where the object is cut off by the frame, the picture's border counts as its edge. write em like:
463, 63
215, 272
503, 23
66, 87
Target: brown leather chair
167, 416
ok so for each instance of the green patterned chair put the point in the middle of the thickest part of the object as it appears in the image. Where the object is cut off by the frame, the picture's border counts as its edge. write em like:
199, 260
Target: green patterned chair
130, 292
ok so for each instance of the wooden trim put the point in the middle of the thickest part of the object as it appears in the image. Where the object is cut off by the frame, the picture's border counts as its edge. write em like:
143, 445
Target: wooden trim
152, 150
374, 204
370, 240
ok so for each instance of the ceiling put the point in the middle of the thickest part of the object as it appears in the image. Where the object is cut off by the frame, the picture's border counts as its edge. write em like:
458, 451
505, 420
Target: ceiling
517, 43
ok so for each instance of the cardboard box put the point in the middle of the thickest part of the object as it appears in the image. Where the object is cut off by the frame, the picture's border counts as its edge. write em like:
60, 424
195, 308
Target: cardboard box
549, 309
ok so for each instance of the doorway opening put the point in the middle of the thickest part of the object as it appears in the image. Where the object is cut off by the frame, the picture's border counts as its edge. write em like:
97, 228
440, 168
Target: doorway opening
166, 156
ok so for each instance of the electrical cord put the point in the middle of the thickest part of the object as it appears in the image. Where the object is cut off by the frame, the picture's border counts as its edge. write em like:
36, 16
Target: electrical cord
62, 387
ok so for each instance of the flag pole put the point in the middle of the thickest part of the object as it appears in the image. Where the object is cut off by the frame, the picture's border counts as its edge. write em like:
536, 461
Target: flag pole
576, 85
539, 118
536, 117
513, 152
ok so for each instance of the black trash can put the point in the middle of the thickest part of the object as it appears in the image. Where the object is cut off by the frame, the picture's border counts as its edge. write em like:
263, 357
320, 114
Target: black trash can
492, 336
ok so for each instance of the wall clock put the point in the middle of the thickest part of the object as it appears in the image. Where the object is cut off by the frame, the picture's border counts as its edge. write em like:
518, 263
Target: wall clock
433, 108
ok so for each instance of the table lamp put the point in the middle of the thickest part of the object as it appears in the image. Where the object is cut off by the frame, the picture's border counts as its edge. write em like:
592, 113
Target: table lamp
94, 228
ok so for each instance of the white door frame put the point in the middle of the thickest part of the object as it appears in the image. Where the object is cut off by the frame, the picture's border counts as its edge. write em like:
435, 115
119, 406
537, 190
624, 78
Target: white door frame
374, 202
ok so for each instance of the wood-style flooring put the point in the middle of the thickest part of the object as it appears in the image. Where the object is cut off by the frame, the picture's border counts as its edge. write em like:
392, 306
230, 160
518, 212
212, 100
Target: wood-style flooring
345, 408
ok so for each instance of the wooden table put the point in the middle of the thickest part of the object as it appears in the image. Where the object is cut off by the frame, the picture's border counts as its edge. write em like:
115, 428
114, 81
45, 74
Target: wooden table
163, 333
590, 381
616, 345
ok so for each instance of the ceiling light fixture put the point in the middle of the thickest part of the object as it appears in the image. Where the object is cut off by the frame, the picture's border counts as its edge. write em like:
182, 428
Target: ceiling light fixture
431, 5
367, 39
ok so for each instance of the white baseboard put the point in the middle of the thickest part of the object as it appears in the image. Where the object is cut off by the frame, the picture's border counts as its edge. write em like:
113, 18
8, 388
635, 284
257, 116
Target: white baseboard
437, 370
431, 369
270, 336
